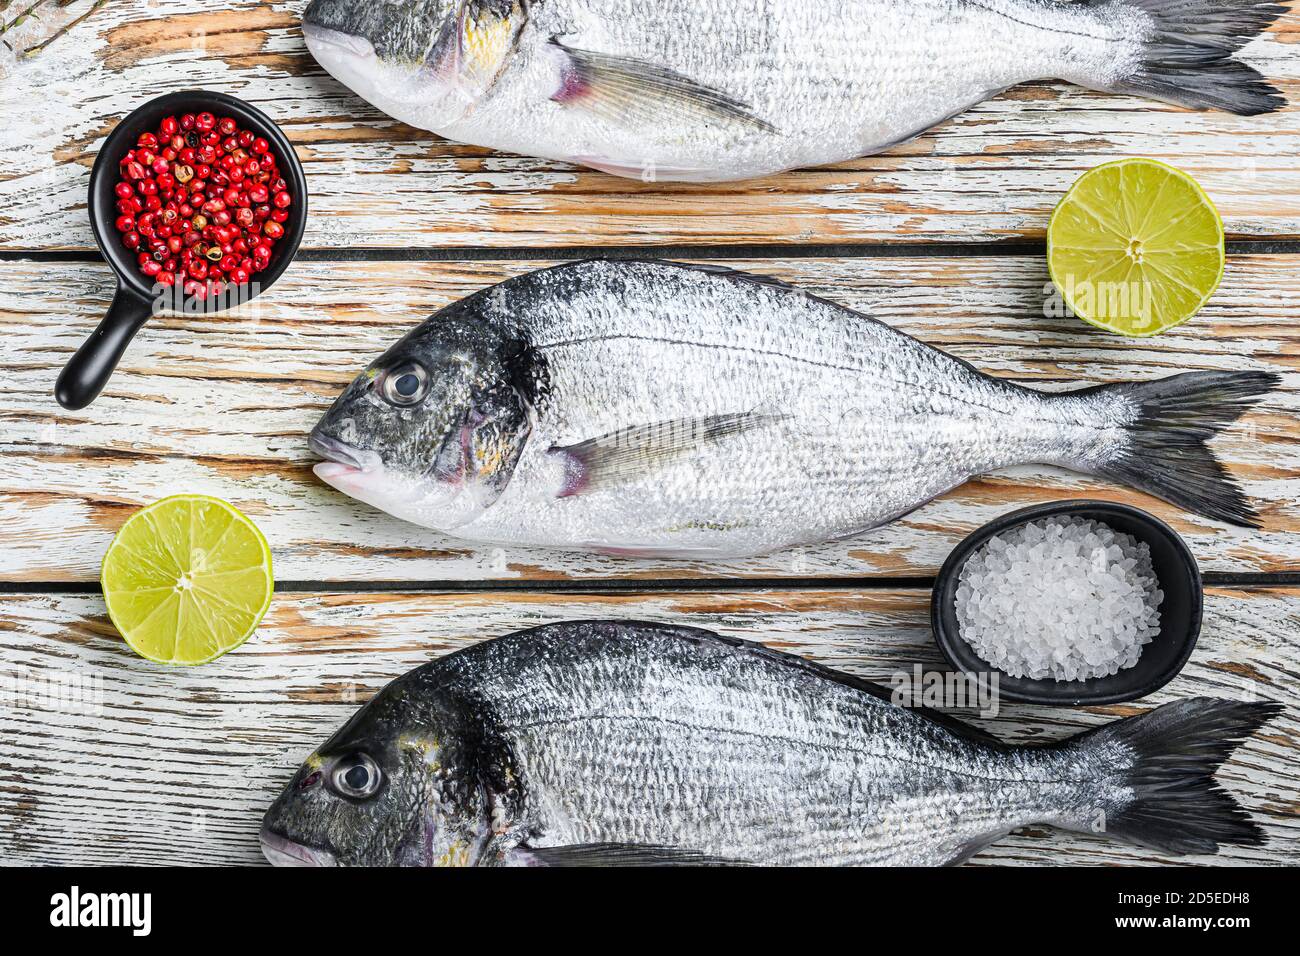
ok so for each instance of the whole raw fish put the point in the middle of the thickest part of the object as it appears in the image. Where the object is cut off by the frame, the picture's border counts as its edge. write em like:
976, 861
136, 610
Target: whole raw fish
642, 744
656, 408
729, 89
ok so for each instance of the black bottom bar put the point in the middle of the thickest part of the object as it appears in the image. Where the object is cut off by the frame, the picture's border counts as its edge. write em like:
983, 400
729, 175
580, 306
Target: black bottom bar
347, 911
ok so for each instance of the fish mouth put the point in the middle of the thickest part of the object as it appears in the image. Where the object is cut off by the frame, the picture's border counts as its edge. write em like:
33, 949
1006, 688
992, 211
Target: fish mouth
349, 58
330, 39
340, 457
279, 850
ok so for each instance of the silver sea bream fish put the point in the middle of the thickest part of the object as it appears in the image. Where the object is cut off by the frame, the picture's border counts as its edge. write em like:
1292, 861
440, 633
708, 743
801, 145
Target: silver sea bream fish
641, 744
730, 89
657, 408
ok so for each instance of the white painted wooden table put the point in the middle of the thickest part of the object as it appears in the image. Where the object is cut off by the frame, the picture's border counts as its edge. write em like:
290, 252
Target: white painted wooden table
941, 237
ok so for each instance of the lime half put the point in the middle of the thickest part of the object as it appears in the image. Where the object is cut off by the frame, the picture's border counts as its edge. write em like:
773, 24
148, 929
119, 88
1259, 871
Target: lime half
1135, 247
187, 579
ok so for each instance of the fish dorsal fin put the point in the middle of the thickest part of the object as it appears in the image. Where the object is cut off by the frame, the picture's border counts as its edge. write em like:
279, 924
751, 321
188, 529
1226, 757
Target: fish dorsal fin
633, 452
708, 268
633, 92
730, 273
623, 854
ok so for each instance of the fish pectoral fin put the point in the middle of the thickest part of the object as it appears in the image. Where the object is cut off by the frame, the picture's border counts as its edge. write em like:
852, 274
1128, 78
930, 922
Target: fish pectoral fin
634, 92
623, 854
633, 452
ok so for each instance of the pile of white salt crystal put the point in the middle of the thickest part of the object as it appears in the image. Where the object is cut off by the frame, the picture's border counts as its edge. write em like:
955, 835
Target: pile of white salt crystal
1061, 598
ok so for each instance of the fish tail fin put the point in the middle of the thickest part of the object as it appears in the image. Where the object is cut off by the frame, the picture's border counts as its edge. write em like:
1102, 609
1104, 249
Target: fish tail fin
1158, 775
1187, 54
1166, 427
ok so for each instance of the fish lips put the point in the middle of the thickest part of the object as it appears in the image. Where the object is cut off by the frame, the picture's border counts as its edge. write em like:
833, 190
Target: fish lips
341, 459
349, 58
279, 850
330, 42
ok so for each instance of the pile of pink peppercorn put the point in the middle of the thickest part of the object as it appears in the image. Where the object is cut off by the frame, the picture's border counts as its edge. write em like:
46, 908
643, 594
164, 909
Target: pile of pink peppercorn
202, 203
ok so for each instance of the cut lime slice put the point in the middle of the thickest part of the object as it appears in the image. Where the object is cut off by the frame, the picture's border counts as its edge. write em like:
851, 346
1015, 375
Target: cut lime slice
187, 579
1135, 247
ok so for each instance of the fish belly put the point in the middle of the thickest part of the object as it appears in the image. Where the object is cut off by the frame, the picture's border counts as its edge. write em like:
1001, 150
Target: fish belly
834, 80
759, 793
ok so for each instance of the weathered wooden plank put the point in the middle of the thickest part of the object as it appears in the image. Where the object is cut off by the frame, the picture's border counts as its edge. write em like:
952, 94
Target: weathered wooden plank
154, 765
993, 173
222, 406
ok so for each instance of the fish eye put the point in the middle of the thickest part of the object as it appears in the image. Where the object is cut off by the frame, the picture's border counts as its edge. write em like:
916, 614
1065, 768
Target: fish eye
356, 776
405, 385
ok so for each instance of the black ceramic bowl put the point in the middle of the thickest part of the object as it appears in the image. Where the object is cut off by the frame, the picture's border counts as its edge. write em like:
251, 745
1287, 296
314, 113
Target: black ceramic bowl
1161, 660
88, 372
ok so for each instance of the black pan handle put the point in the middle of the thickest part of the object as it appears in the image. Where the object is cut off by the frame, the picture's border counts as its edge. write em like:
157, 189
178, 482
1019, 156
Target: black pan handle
85, 376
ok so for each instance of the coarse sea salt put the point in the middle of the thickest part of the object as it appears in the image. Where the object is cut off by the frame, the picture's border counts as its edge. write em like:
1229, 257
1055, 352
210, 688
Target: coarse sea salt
1061, 598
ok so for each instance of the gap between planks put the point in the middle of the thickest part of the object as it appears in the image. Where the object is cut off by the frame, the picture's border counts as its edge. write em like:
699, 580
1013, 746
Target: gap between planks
1243, 581
776, 251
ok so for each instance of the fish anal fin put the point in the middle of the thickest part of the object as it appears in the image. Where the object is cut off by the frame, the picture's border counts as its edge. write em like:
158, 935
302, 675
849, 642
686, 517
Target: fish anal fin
622, 854
969, 848
633, 452
634, 92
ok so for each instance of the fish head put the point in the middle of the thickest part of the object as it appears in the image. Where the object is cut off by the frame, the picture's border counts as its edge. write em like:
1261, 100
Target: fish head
390, 788
425, 62
433, 430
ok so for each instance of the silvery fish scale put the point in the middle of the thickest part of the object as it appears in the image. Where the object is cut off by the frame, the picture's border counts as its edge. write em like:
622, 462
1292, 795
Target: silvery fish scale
859, 423
731, 89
